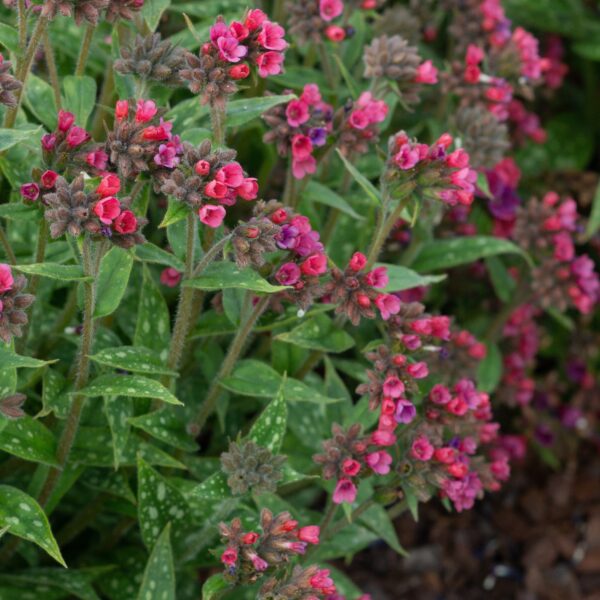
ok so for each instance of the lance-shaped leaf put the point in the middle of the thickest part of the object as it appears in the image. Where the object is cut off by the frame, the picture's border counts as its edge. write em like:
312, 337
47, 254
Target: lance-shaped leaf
176, 211
158, 504
26, 519
29, 439
213, 488
11, 137
80, 96
55, 397
377, 520
402, 278
11, 360
113, 277
319, 333
117, 411
153, 254
225, 275
54, 271
268, 430
132, 358
489, 370
214, 586
369, 189
134, 386
159, 576
324, 195
165, 426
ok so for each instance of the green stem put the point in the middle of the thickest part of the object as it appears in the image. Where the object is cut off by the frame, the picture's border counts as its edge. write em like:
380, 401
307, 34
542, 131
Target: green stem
327, 68
309, 364
22, 25
10, 255
234, 352
85, 50
52, 71
25, 67
106, 94
217, 117
328, 518
211, 255
343, 523
67, 437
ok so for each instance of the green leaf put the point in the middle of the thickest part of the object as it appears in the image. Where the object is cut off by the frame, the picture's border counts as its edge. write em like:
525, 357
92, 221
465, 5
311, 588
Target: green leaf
152, 12
115, 269
26, 519
353, 538
444, 254
133, 358
504, 284
224, 274
153, 325
11, 137
176, 211
269, 429
30, 440
54, 271
164, 425
214, 586
371, 191
159, 576
377, 520
213, 488
55, 397
80, 97
9, 38
74, 583
10, 360
134, 386
159, 503
114, 483
148, 252
483, 185
402, 278
319, 333
593, 223
411, 501
318, 192
489, 370
39, 99
240, 112
257, 379
17, 211
117, 411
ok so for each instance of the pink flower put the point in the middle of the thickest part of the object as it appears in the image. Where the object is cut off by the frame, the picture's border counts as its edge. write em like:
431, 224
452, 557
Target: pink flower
238, 31
125, 223
202, 167
351, 467
231, 175
6, 278
439, 394
357, 262
97, 159
170, 277
459, 159
48, 142
418, 370
250, 538
216, 189
382, 437
330, 9
309, 534
230, 49
77, 136
379, 462
248, 190
376, 110
301, 146
107, 209
314, 265
288, 274
229, 557
405, 411
121, 110
48, 179
109, 186
146, 109
271, 36
269, 63
255, 19
167, 156
302, 167
474, 55
322, 582
377, 278
421, 449
388, 305
311, 94
30, 191
359, 119
407, 157
240, 71
218, 30
65, 120
157, 133
335, 33
211, 215
258, 563
393, 387
345, 491
426, 73
296, 113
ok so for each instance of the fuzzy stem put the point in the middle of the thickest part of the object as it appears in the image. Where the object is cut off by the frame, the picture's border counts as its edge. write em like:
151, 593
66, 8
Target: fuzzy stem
184, 307
211, 255
217, 117
328, 518
343, 523
67, 437
234, 352
106, 94
22, 25
25, 67
52, 71
326, 64
10, 254
85, 50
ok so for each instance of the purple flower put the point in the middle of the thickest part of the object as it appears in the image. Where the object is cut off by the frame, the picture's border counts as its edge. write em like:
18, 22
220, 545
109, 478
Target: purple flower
505, 201
167, 156
317, 135
405, 411
544, 435
308, 243
287, 237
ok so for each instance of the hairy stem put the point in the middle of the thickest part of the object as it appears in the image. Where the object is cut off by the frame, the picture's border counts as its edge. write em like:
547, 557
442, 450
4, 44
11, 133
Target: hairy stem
343, 523
24, 68
10, 254
234, 352
211, 255
52, 71
22, 25
217, 117
84, 52
69, 432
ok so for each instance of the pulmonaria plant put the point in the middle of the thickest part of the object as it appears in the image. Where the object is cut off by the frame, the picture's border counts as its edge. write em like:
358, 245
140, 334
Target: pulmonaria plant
14, 303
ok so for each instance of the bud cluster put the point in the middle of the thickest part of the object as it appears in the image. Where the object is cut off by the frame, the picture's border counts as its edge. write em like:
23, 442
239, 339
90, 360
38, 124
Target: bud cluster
304, 583
8, 84
13, 303
91, 10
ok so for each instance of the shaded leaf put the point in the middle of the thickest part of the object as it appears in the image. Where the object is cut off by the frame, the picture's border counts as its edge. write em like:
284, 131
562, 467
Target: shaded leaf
268, 430
80, 97
134, 386
54, 271
402, 278
132, 358
113, 277
224, 275
369, 189
319, 333
159, 576
29, 439
165, 426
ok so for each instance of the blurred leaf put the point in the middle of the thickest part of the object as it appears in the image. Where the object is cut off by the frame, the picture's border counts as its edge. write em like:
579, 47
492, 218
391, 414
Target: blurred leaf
10, 137
9, 38
115, 269
134, 386
318, 333
133, 358
74, 583
18, 211
504, 284
10, 360
29, 439
55, 397
117, 411
26, 519
148, 252
39, 99
240, 112
377, 520
593, 224
489, 370
403, 278
214, 487
176, 211
370, 190
152, 11
214, 586
318, 192
159, 576
80, 97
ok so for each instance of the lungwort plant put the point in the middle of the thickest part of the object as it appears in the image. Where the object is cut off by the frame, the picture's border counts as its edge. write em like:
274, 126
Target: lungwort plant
267, 275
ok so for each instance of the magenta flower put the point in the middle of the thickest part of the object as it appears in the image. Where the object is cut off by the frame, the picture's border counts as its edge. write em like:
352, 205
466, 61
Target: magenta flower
107, 209
30, 191
297, 113
48, 142
248, 190
216, 189
311, 94
6, 278
309, 534
301, 146
303, 167
271, 36
211, 215
230, 49
125, 223
167, 156
97, 159
229, 557
330, 9
440, 394
393, 387
48, 179
65, 120
421, 449
170, 277
146, 109
269, 63
426, 73
407, 157
378, 278
405, 411
288, 274
231, 175
379, 462
77, 136
388, 305
345, 491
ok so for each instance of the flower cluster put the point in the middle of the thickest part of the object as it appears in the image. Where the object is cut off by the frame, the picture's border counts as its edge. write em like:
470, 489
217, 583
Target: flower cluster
91, 10
207, 181
231, 51
13, 303
248, 554
309, 583
432, 171
71, 209
299, 127
9, 84
141, 140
